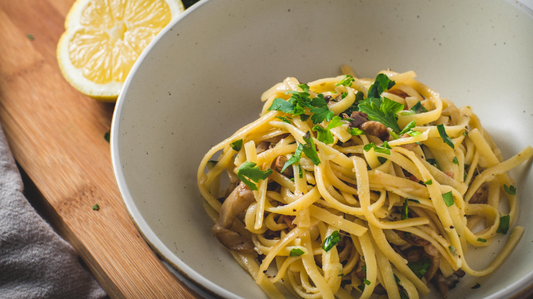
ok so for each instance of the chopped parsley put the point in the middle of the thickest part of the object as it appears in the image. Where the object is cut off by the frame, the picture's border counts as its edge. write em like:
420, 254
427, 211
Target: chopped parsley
396, 279
250, 171
481, 240
300, 171
295, 157
344, 94
309, 148
359, 96
107, 136
429, 182
296, 252
511, 190
304, 117
324, 134
382, 110
285, 119
444, 136
405, 210
421, 267
381, 84
448, 198
378, 149
504, 224
408, 128
30, 37
346, 81
402, 294
418, 108
364, 269
413, 200
355, 131
236, 145
321, 112
331, 241
211, 164
455, 161
280, 104
96, 207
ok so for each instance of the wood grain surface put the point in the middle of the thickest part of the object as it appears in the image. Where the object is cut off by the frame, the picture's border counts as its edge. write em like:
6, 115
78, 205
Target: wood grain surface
57, 136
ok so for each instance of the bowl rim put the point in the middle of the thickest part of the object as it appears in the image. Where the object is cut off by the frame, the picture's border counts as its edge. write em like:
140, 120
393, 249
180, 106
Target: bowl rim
517, 289
136, 217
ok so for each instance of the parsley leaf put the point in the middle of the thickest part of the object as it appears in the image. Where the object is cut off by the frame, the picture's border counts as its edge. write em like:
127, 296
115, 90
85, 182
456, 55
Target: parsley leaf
448, 198
405, 210
331, 241
346, 81
304, 87
236, 145
381, 84
295, 157
304, 117
285, 119
452, 250
413, 200
280, 104
252, 172
481, 240
323, 135
402, 294
408, 128
421, 267
296, 252
504, 224
300, 171
355, 131
107, 136
444, 136
321, 114
96, 207
309, 148
511, 190
384, 111
429, 182
319, 101
377, 149
455, 161
417, 108
335, 122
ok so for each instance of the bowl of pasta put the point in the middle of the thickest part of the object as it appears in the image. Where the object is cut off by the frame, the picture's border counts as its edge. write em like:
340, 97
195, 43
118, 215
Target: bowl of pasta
308, 149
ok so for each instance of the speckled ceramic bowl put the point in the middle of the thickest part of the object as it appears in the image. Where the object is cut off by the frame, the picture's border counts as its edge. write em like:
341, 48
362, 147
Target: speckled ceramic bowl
201, 80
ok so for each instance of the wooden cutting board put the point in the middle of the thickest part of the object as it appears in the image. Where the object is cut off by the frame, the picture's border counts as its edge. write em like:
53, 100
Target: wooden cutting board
57, 136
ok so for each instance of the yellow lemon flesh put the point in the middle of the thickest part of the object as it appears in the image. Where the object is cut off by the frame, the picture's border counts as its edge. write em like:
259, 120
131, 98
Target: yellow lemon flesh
103, 38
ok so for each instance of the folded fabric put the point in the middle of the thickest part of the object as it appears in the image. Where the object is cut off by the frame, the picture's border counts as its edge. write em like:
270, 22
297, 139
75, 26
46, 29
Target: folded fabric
35, 262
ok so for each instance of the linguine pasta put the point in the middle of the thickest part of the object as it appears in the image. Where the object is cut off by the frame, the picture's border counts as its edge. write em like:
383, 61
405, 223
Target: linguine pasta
345, 187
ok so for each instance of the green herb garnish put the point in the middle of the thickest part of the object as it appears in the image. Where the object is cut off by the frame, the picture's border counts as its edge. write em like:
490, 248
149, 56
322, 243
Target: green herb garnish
405, 210
355, 131
448, 198
444, 136
455, 161
504, 224
384, 111
309, 148
421, 267
296, 252
511, 190
96, 207
30, 37
295, 157
250, 171
481, 240
346, 81
413, 200
408, 128
429, 182
236, 145
107, 136
331, 241
417, 108
377, 149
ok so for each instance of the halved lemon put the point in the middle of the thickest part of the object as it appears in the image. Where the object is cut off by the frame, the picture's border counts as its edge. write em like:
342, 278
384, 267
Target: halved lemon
103, 38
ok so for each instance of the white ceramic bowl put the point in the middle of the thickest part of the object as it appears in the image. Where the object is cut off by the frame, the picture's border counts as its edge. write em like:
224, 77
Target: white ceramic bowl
201, 80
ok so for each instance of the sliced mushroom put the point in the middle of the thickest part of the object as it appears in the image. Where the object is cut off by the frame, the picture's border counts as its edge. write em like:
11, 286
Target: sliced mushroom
398, 92
288, 220
376, 129
262, 146
238, 201
441, 283
413, 239
358, 118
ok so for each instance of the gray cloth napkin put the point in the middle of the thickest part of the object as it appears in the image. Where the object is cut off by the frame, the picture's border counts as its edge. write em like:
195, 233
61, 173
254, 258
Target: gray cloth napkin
35, 262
